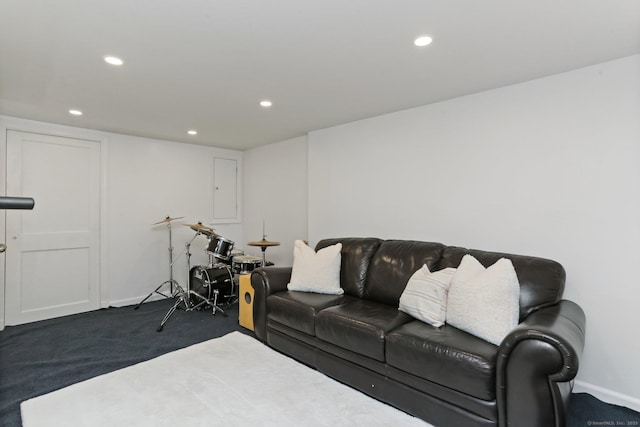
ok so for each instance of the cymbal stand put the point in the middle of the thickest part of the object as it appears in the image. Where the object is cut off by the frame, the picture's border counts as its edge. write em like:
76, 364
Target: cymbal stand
183, 297
264, 244
171, 281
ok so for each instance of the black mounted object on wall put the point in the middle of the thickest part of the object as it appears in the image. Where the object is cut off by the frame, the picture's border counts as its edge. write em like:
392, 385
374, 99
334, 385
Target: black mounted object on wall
16, 203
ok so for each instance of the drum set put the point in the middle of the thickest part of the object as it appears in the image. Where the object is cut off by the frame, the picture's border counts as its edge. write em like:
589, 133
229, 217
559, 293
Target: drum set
223, 251
212, 285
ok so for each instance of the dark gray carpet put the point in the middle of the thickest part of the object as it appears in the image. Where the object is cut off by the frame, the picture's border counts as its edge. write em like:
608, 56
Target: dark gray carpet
41, 357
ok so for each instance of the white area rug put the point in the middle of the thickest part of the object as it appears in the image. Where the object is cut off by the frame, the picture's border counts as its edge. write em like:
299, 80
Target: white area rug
230, 381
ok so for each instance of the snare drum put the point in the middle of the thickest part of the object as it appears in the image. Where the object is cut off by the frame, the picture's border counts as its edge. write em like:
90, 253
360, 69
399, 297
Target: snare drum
246, 264
236, 252
229, 261
220, 247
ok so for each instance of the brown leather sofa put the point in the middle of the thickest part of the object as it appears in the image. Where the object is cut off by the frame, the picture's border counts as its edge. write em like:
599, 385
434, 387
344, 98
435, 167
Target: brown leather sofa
443, 375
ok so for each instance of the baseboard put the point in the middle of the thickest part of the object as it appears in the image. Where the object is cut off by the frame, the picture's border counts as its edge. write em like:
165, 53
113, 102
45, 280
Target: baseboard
118, 303
607, 395
135, 300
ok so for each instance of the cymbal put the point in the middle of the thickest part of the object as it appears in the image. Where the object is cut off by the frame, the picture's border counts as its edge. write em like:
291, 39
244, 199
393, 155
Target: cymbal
201, 228
167, 219
264, 243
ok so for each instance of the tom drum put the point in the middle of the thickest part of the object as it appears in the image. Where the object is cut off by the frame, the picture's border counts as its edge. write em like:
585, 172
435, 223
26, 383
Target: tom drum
220, 247
246, 264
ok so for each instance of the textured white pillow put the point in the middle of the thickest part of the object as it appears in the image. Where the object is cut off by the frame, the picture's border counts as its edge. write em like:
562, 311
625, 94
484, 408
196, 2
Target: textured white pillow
484, 302
425, 296
316, 272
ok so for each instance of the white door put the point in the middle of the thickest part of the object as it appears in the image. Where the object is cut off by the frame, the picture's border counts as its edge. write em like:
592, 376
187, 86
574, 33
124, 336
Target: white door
52, 257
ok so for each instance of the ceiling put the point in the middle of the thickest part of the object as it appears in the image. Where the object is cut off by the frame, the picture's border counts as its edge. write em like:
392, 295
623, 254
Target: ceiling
206, 64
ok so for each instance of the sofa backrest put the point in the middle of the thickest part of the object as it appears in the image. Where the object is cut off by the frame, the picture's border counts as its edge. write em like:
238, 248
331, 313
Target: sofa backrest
356, 257
379, 270
394, 263
541, 280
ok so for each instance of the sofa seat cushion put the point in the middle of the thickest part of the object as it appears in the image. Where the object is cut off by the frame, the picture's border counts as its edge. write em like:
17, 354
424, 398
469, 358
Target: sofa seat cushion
359, 326
446, 356
298, 310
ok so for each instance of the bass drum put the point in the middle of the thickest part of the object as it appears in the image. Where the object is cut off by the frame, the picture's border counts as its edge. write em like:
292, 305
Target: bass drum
204, 280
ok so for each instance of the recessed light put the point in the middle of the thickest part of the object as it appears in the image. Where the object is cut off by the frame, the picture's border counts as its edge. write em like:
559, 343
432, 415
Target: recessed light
75, 112
423, 41
192, 132
113, 60
266, 103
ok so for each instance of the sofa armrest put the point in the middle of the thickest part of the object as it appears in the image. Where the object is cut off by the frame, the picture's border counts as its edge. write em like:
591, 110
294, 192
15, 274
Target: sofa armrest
266, 281
536, 363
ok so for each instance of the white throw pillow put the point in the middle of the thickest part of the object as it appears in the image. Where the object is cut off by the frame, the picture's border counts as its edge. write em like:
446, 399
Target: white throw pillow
484, 302
316, 272
425, 296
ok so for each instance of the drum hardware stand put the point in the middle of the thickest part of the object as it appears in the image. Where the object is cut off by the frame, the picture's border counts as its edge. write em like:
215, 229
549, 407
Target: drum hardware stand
264, 244
171, 281
183, 297
232, 297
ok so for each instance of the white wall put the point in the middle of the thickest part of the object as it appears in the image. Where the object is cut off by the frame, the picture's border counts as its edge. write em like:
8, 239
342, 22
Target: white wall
149, 180
548, 168
275, 189
145, 180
